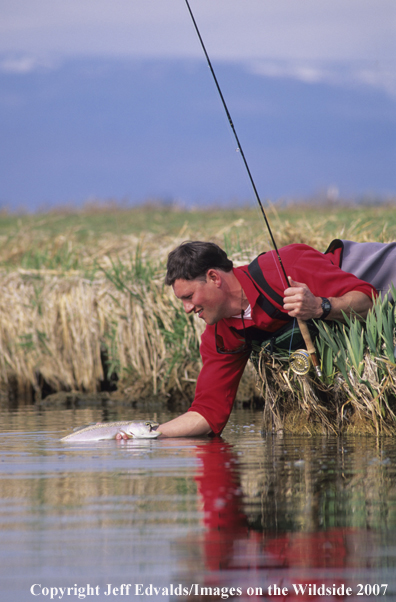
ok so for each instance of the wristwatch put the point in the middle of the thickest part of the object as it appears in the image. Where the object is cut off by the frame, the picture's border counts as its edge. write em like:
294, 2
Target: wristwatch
326, 306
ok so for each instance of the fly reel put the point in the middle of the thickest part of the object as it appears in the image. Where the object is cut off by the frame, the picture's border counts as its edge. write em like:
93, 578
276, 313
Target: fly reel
299, 362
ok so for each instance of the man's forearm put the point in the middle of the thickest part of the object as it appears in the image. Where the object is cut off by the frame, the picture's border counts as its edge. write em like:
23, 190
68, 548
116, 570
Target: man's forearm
354, 303
190, 424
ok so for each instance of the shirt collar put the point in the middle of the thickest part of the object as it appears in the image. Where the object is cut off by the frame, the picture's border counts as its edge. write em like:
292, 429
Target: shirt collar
245, 281
249, 289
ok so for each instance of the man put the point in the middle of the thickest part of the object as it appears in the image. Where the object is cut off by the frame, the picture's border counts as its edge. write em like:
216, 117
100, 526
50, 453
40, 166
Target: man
236, 310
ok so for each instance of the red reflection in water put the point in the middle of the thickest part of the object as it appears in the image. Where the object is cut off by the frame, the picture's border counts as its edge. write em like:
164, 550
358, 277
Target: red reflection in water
229, 544
220, 490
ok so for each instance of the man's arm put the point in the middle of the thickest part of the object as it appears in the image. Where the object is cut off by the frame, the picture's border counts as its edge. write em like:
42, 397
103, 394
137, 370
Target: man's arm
299, 302
190, 424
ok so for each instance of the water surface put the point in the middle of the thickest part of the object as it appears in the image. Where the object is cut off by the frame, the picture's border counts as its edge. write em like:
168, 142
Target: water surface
182, 519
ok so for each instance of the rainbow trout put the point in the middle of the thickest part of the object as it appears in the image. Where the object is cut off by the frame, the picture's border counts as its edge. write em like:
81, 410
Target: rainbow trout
138, 429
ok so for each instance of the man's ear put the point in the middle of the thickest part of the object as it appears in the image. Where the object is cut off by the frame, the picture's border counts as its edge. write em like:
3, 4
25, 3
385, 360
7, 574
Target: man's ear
214, 276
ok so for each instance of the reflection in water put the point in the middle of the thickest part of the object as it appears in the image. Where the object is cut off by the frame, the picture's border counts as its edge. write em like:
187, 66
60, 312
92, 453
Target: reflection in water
221, 493
286, 513
239, 512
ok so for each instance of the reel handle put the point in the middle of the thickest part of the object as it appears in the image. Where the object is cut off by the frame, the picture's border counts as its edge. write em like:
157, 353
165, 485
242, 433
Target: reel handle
309, 345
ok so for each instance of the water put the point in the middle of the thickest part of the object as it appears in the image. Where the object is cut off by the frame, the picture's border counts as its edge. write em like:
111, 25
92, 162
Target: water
241, 517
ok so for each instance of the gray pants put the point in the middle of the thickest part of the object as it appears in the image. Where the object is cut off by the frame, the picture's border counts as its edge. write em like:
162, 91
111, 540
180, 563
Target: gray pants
373, 262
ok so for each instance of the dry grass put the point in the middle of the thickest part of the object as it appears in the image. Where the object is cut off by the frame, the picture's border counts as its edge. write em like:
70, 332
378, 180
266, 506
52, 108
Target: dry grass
60, 329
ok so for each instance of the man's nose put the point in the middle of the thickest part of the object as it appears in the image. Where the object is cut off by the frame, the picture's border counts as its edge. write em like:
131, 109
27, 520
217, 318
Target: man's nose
188, 306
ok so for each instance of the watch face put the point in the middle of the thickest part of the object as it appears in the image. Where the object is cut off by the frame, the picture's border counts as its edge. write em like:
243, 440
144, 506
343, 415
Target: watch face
326, 305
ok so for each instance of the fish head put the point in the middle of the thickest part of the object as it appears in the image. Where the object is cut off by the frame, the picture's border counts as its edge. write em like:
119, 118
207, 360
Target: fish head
141, 429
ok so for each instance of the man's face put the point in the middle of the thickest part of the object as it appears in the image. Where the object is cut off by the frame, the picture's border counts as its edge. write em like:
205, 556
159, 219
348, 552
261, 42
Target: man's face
203, 297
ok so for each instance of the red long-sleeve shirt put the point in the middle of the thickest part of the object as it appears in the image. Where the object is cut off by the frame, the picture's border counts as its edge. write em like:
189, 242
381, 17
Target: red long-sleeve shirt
220, 375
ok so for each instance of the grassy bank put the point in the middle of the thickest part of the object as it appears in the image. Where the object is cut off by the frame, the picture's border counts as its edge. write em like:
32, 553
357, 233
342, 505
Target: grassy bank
84, 308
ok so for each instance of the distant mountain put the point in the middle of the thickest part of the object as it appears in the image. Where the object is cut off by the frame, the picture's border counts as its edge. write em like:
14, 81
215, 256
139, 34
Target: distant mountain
156, 129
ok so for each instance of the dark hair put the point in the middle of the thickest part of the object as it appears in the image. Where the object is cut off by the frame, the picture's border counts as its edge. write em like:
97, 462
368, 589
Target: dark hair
192, 260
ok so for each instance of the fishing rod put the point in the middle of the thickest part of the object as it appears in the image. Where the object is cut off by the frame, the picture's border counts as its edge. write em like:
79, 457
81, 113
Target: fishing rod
301, 366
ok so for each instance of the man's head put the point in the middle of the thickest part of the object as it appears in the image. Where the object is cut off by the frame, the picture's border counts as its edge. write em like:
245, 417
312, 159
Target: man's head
192, 260
200, 273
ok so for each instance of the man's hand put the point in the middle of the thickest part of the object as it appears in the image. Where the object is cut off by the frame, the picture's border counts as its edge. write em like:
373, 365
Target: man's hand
300, 303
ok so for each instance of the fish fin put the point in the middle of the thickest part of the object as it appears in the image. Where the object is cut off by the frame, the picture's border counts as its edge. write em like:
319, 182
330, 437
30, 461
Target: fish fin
126, 434
80, 428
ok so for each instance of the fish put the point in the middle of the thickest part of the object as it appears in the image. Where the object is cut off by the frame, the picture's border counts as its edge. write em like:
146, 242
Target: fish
101, 431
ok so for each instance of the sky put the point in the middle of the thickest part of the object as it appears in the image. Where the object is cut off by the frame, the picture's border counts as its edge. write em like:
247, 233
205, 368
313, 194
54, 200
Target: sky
113, 99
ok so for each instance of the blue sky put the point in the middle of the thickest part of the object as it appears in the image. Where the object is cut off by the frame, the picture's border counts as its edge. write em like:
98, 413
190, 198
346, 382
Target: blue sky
105, 99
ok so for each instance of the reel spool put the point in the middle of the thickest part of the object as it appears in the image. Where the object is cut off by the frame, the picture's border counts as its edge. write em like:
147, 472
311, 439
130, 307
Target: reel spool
299, 362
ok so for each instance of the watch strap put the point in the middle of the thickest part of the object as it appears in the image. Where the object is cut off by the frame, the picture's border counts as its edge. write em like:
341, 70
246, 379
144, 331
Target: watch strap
326, 306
